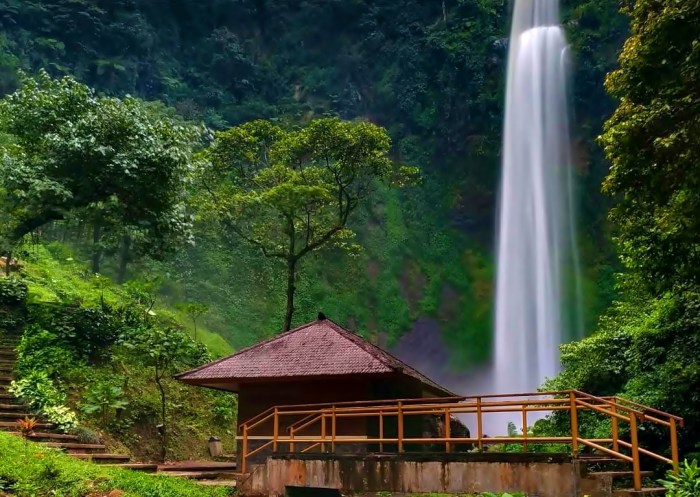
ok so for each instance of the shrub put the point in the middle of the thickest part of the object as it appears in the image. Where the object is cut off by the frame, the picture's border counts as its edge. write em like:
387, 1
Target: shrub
13, 291
101, 398
686, 483
40, 392
41, 350
85, 435
64, 418
37, 390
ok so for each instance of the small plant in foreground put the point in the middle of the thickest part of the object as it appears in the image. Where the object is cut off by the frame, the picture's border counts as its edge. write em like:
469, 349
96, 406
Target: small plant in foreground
686, 483
26, 426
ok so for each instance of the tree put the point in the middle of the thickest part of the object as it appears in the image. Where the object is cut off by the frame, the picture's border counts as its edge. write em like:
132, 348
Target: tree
165, 350
289, 193
71, 150
194, 311
651, 142
644, 347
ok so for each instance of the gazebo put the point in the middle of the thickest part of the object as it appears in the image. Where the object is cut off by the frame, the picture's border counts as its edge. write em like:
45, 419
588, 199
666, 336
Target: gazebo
317, 363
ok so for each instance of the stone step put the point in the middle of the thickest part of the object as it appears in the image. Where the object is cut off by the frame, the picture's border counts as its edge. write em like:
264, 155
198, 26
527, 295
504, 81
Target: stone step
13, 426
146, 468
43, 436
619, 474
86, 448
198, 466
16, 415
200, 475
102, 458
6, 379
630, 492
218, 483
13, 407
6, 397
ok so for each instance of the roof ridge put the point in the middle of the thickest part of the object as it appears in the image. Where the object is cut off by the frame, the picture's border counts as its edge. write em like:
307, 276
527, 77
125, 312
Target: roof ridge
246, 349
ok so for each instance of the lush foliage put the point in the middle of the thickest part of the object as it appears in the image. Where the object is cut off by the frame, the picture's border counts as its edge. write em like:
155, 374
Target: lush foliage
101, 360
651, 144
686, 483
430, 72
644, 346
291, 193
31, 470
116, 161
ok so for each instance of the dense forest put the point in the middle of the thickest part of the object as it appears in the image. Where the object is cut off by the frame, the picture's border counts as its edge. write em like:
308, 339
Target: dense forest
223, 173
430, 73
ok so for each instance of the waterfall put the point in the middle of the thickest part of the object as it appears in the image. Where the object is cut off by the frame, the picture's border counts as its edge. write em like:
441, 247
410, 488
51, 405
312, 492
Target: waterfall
536, 243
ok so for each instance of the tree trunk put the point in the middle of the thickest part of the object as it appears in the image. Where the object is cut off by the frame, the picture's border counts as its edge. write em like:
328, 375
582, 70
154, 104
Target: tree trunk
163, 434
96, 246
123, 258
8, 263
291, 288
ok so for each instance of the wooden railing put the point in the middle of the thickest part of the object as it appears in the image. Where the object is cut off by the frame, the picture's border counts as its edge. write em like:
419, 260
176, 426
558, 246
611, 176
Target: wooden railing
305, 428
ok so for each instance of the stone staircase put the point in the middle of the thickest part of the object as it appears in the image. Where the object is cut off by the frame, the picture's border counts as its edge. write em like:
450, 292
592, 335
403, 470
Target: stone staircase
12, 410
603, 476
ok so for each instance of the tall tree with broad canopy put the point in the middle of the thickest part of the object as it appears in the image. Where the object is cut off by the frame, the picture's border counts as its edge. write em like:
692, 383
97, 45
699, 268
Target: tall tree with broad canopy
289, 193
66, 149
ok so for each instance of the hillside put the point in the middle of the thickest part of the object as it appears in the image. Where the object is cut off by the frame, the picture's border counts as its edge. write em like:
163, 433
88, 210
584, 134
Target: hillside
430, 73
86, 355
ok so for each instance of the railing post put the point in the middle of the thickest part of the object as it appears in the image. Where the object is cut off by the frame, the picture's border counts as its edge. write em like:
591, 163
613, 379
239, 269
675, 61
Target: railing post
448, 433
245, 449
674, 445
635, 452
275, 430
615, 430
574, 422
333, 429
479, 425
524, 428
400, 428
291, 439
323, 432
381, 431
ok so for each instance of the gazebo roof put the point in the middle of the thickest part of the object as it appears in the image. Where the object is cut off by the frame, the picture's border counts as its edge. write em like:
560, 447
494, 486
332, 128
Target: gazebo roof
321, 348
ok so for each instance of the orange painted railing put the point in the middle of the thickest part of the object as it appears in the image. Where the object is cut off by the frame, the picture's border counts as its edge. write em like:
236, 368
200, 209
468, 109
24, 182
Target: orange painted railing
291, 425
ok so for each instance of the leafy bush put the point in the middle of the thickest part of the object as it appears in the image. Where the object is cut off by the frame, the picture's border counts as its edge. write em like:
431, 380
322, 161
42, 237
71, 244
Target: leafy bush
40, 392
41, 350
224, 407
101, 398
85, 435
37, 390
686, 483
87, 331
63, 417
13, 291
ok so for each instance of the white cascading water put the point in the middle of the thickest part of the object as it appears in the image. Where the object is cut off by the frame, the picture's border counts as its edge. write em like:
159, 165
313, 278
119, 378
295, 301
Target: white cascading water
535, 230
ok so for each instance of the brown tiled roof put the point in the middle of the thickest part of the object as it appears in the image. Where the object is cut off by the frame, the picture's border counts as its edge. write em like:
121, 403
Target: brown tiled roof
319, 348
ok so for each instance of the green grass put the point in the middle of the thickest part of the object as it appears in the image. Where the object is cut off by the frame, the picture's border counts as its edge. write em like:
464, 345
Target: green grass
31, 470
